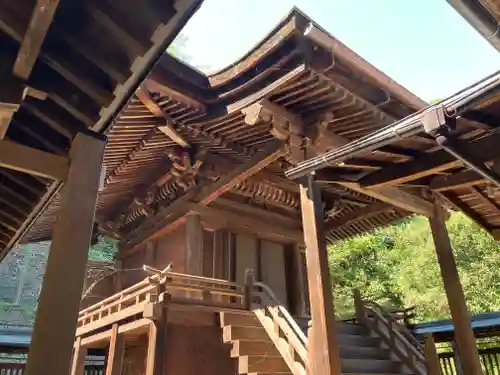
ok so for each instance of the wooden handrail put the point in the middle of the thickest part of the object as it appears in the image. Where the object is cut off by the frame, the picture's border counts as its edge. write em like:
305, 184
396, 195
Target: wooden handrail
282, 328
389, 330
136, 298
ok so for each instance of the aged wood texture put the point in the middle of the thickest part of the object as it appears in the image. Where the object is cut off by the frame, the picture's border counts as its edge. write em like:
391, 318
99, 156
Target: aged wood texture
464, 335
79, 354
194, 245
57, 313
29, 160
116, 351
325, 361
41, 19
396, 197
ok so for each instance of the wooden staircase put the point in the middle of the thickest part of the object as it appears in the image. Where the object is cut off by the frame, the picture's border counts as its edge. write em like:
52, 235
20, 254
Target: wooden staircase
256, 352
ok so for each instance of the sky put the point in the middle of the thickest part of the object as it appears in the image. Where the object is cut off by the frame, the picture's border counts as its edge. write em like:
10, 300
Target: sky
423, 44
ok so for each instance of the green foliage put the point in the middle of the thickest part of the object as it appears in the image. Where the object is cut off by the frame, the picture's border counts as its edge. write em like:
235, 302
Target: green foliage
397, 267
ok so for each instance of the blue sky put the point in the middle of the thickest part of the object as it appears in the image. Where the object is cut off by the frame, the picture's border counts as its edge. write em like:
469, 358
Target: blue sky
424, 45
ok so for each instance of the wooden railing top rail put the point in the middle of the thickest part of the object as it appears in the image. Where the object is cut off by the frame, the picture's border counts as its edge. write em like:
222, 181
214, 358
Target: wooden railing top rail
411, 354
149, 283
290, 320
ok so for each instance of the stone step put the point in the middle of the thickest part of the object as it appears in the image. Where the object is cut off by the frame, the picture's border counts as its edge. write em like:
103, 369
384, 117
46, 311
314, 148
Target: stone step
232, 333
369, 352
358, 340
351, 329
384, 366
261, 364
244, 347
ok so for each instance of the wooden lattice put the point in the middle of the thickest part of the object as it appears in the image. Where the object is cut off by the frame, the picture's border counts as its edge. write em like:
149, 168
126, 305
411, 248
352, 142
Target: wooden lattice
208, 254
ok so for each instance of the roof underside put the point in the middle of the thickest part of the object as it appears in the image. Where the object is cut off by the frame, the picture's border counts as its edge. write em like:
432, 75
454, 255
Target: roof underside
148, 171
94, 55
483, 15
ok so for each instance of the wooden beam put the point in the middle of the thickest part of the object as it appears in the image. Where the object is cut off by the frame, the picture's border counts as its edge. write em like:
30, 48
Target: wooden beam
456, 181
7, 110
243, 223
483, 150
32, 161
485, 200
325, 358
464, 335
396, 197
41, 19
116, 351
352, 217
144, 95
152, 360
458, 204
59, 303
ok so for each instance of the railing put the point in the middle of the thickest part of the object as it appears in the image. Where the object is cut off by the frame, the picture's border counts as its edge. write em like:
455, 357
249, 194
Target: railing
182, 288
12, 368
489, 358
281, 327
407, 348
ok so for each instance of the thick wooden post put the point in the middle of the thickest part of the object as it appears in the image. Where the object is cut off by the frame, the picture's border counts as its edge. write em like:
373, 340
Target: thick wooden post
194, 245
358, 307
464, 334
325, 359
431, 356
115, 352
55, 323
79, 355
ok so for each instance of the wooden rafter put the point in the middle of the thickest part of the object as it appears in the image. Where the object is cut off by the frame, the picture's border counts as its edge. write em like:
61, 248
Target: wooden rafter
41, 19
456, 180
396, 197
168, 129
357, 216
485, 200
483, 150
32, 161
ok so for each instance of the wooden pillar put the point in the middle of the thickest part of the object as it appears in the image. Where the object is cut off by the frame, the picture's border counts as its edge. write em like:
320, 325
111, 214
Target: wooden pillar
456, 356
301, 280
115, 352
57, 313
431, 356
325, 360
464, 334
79, 355
194, 245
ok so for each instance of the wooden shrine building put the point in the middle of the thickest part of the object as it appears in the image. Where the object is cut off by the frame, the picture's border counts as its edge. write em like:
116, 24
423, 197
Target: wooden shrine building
223, 191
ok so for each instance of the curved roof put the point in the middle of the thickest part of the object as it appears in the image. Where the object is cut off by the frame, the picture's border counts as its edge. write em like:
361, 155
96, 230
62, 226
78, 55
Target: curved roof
69, 68
183, 132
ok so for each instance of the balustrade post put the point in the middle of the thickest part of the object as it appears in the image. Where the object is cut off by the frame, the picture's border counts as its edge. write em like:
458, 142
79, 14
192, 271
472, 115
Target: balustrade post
249, 283
431, 356
358, 307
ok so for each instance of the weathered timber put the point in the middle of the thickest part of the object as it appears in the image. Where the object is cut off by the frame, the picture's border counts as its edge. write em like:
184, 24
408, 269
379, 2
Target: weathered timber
7, 110
168, 129
243, 223
325, 361
456, 181
483, 150
116, 352
64, 274
396, 197
79, 354
30, 160
357, 215
41, 19
464, 335
194, 245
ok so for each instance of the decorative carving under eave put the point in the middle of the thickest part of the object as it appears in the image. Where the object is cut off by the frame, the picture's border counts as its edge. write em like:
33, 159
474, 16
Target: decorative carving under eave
283, 125
267, 193
180, 178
